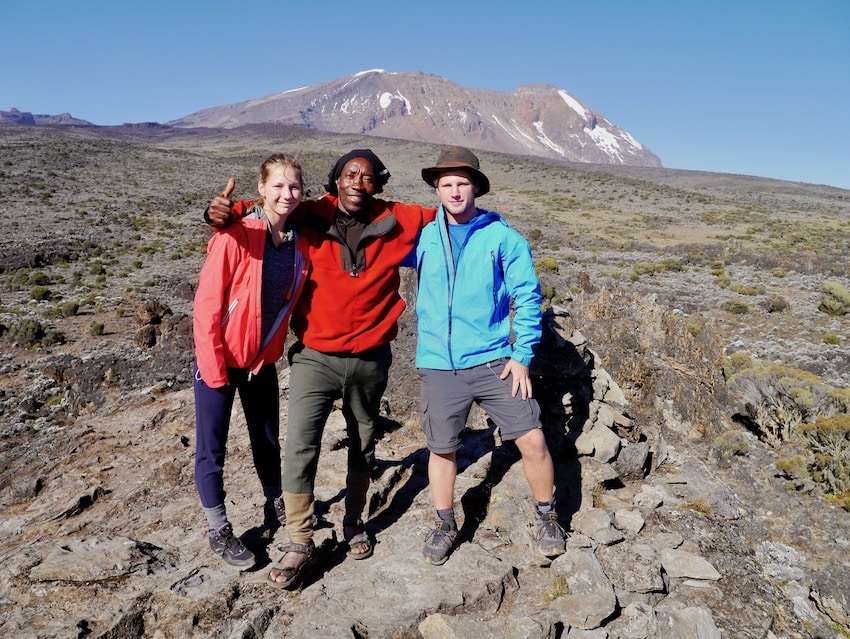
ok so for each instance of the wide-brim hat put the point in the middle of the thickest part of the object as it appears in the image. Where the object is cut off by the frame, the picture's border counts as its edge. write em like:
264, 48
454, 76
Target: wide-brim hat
453, 158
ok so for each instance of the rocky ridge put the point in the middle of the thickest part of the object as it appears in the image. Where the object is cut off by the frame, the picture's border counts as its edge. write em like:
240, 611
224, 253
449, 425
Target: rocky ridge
107, 541
25, 117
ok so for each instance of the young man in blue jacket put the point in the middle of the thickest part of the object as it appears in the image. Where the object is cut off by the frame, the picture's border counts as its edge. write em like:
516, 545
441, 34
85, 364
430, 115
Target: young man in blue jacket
471, 264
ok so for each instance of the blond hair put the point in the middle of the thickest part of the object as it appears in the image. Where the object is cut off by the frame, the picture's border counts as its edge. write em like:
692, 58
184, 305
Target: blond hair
284, 160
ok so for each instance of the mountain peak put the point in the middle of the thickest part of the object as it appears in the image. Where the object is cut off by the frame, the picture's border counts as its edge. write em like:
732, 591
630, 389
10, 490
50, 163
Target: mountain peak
538, 120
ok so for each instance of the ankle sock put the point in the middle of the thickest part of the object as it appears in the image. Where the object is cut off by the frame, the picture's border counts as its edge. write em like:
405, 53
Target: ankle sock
447, 515
544, 507
216, 516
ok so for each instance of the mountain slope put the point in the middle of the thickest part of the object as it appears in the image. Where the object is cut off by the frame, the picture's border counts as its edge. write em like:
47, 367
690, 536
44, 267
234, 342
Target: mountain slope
537, 120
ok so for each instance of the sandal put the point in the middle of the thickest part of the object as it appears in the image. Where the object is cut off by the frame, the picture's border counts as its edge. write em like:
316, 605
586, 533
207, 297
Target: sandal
355, 534
291, 574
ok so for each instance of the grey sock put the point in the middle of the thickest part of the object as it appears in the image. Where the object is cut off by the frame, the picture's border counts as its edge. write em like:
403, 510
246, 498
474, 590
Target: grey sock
544, 507
447, 515
216, 516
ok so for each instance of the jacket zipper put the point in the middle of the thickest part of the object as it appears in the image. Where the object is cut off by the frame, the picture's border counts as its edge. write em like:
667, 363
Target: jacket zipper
230, 308
493, 265
450, 280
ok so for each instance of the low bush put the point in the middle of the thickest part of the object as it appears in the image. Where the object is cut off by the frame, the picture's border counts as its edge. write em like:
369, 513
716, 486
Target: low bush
66, 309
548, 292
40, 293
28, 333
736, 363
778, 400
39, 278
828, 442
835, 299
651, 268
736, 307
747, 290
732, 443
547, 265
723, 281
777, 304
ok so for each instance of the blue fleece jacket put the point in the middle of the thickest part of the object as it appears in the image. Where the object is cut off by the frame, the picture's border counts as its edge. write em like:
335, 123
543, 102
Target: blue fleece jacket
464, 315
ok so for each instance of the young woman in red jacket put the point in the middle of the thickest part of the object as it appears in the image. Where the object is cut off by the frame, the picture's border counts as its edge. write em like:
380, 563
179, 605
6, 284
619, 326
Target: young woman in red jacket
250, 281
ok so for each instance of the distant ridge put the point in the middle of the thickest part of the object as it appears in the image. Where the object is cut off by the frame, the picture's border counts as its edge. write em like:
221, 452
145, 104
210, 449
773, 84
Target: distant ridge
538, 120
23, 117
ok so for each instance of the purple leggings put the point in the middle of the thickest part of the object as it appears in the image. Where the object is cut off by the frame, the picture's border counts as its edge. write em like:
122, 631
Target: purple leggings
261, 404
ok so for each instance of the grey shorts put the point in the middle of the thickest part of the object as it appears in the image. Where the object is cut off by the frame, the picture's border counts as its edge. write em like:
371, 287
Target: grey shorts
447, 397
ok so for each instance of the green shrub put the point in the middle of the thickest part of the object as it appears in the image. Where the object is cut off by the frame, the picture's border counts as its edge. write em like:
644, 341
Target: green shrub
735, 307
547, 265
694, 328
794, 468
778, 400
39, 278
646, 268
736, 363
831, 339
835, 299
828, 440
671, 264
40, 293
66, 309
97, 328
747, 290
28, 333
732, 443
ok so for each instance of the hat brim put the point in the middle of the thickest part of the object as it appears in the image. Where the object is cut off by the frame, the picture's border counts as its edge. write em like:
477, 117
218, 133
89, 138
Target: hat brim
431, 174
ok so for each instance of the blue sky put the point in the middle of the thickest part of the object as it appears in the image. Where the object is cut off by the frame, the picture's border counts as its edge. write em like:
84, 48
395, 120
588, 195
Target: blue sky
756, 87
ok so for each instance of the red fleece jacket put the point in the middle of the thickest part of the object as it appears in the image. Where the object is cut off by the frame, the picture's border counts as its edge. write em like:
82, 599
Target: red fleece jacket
341, 313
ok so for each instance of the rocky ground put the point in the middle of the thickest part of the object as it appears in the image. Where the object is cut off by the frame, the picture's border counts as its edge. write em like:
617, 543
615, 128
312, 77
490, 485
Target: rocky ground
101, 534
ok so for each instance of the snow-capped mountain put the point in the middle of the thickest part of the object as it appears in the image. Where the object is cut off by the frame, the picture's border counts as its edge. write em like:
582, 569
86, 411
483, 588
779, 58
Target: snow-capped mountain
535, 120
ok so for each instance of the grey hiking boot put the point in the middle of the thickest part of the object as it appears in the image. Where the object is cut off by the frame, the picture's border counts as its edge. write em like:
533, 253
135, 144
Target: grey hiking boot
439, 544
274, 515
228, 546
551, 537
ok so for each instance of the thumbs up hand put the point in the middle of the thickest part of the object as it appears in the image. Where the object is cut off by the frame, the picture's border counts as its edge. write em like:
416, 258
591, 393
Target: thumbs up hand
219, 211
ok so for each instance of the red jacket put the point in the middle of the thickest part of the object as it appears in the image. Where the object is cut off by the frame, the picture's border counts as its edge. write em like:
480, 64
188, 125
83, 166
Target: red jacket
351, 306
228, 316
